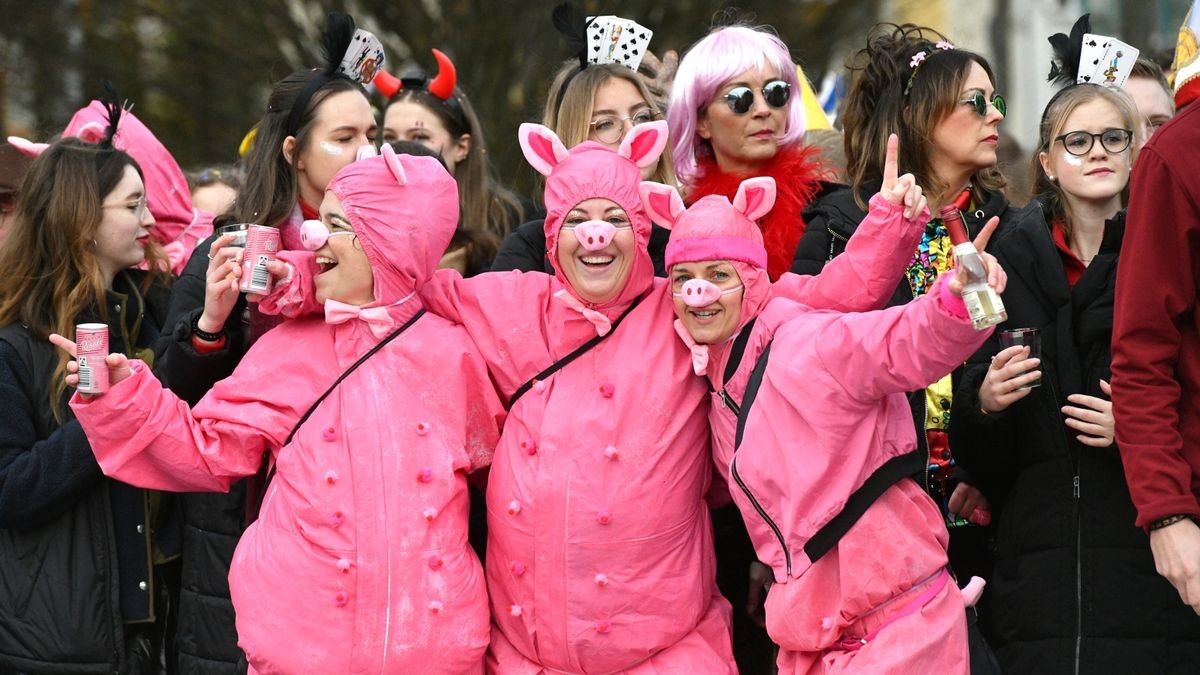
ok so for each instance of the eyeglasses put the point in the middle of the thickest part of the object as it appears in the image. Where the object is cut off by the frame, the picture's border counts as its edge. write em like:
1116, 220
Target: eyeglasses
1081, 142
137, 206
980, 102
776, 93
609, 129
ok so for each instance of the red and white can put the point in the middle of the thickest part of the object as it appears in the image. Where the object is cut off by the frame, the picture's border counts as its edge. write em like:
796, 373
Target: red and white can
262, 243
91, 348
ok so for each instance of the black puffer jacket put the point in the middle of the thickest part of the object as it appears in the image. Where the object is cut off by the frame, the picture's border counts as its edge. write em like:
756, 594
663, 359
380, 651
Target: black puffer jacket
74, 546
213, 523
1075, 588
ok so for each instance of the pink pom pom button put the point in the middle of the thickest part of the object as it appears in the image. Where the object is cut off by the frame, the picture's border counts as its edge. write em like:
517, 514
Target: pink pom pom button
604, 516
607, 390
329, 434
517, 567
331, 477
435, 562
429, 514
603, 627
514, 507
612, 453
436, 607
425, 475
341, 598
601, 580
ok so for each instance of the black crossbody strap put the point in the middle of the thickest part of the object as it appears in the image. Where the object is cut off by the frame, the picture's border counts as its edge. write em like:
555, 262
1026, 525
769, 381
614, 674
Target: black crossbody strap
361, 360
579, 351
735, 359
752, 386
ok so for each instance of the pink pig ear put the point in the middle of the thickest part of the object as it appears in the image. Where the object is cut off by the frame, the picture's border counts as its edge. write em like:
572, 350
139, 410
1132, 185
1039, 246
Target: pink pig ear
393, 164
644, 143
662, 203
541, 147
755, 197
92, 132
27, 147
366, 151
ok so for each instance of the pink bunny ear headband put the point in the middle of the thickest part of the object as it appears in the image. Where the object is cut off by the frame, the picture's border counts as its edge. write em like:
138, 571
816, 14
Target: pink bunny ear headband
314, 234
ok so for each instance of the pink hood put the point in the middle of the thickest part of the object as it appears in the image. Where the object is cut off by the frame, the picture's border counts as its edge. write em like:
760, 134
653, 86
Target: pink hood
177, 225
404, 210
589, 171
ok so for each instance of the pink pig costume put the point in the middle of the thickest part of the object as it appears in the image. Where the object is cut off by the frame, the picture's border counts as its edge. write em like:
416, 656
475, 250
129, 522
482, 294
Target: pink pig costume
600, 554
819, 465
359, 561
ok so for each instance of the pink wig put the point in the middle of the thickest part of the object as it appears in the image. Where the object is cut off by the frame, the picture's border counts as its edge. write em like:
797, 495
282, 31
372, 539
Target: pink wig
716, 59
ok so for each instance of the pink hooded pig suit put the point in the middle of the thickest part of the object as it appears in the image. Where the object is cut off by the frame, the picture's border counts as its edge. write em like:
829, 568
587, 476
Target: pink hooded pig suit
818, 457
600, 554
359, 561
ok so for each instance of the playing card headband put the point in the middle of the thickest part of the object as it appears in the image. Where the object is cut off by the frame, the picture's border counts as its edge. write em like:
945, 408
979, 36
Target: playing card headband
602, 39
353, 54
1087, 58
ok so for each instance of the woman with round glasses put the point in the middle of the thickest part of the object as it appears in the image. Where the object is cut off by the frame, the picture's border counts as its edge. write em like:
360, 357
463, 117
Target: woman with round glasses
942, 102
735, 113
1074, 587
599, 102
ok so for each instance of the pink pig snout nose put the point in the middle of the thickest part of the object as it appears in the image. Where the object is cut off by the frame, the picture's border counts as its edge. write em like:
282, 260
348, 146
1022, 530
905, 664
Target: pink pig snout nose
313, 234
595, 234
699, 293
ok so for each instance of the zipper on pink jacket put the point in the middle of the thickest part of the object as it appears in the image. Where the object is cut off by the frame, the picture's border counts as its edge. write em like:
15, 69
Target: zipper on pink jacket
787, 556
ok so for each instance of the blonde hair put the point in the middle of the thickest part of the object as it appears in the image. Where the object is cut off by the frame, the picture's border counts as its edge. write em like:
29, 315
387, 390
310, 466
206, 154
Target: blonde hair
569, 106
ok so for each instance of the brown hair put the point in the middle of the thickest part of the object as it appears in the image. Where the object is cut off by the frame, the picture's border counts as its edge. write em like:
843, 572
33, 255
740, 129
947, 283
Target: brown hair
272, 187
878, 106
1147, 69
571, 118
484, 206
51, 274
1048, 192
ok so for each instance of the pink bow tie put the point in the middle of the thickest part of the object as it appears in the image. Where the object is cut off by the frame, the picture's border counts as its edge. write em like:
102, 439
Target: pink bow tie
377, 318
699, 352
601, 322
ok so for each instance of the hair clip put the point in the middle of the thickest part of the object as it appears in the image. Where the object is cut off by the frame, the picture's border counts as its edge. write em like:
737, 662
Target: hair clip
917, 59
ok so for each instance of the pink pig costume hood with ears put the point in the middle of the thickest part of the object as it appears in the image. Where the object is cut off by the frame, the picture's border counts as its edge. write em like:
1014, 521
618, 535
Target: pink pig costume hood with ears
589, 171
715, 229
178, 226
404, 210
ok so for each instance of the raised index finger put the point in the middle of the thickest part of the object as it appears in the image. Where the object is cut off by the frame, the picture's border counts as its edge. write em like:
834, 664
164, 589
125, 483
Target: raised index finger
63, 344
891, 162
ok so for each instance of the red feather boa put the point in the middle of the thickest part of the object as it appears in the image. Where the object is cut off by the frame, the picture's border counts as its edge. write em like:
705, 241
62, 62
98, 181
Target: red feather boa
797, 173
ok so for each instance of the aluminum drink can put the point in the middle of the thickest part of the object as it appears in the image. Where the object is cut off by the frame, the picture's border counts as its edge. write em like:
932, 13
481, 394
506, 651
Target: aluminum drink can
91, 348
238, 229
262, 243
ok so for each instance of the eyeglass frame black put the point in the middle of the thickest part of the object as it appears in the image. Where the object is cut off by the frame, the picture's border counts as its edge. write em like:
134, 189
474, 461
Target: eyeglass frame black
730, 97
980, 102
654, 114
1093, 138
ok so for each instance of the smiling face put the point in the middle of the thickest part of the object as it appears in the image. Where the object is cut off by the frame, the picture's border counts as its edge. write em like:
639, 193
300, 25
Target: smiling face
343, 124
411, 121
346, 274
1099, 175
124, 228
742, 143
597, 276
964, 142
717, 321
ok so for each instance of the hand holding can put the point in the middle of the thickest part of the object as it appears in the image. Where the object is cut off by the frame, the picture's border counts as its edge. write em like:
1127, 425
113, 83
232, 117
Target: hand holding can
91, 348
262, 243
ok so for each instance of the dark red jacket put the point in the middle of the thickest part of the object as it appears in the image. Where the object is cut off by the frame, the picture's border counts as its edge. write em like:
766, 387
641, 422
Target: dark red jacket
1156, 336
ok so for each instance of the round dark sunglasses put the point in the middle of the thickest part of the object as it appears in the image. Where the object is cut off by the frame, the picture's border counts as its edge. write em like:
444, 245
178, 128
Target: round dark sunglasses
1115, 141
981, 103
775, 93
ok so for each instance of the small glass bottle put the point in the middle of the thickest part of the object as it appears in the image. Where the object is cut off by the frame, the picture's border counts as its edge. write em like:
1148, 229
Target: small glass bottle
983, 303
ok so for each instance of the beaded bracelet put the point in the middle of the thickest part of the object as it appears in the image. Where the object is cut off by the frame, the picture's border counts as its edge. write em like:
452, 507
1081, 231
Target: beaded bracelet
1168, 521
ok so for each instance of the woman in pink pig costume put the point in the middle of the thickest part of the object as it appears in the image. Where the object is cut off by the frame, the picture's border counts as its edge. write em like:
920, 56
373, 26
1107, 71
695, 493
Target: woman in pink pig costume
820, 459
600, 554
359, 560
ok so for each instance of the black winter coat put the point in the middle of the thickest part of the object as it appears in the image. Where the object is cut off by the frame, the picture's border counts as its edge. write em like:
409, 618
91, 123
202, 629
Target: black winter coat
206, 640
1074, 588
74, 545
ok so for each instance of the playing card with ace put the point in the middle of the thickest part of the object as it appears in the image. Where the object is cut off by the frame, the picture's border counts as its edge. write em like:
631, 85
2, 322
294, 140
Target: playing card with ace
1090, 55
